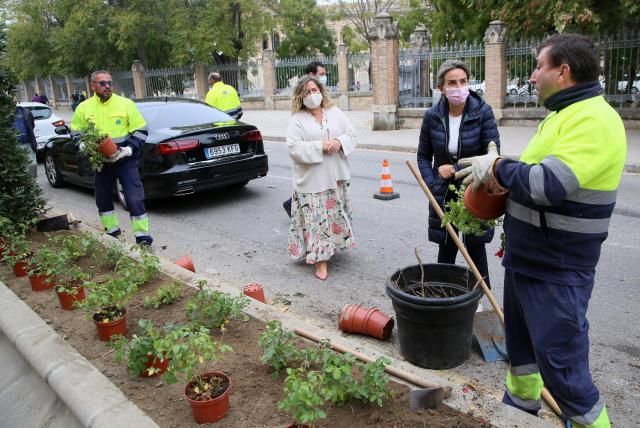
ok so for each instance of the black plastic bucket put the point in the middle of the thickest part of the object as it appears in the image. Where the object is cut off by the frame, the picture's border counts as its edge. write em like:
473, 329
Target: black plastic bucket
435, 333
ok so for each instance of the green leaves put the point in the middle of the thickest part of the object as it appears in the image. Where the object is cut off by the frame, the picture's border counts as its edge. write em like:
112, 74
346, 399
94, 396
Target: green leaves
457, 215
165, 295
317, 376
91, 139
307, 33
214, 309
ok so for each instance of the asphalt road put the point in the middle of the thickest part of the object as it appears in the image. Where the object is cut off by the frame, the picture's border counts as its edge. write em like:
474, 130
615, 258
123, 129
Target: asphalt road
241, 236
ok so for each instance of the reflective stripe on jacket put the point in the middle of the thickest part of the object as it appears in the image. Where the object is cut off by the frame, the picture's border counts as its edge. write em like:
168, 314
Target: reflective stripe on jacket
562, 192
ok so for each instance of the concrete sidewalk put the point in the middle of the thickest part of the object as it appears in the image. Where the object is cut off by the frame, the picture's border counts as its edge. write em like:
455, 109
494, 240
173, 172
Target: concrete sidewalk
514, 139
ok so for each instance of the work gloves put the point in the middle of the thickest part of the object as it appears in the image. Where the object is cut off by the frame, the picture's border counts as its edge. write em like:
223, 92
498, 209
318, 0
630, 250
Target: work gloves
122, 152
479, 169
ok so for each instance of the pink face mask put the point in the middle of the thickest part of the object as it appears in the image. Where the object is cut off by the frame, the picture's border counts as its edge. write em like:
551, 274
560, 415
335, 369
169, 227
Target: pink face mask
458, 96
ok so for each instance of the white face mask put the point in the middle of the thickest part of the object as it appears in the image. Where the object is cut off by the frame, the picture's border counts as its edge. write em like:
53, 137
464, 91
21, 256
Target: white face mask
313, 100
323, 79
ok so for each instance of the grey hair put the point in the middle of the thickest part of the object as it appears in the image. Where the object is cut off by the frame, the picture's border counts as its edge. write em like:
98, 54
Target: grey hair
447, 66
215, 77
95, 74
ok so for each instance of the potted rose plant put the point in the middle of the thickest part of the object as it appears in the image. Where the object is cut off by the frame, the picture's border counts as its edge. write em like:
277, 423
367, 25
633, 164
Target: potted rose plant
147, 353
96, 145
207, 391
70, 287
17, 251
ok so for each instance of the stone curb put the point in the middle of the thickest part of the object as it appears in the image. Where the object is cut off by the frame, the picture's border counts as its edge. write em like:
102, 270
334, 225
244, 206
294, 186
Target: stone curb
90, 396
632, 168
55, 357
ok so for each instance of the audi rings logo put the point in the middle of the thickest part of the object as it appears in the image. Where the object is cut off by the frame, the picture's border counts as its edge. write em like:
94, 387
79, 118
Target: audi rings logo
222, 136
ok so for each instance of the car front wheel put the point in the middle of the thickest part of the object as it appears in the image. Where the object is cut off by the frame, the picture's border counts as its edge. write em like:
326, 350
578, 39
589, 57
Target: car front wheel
52, 172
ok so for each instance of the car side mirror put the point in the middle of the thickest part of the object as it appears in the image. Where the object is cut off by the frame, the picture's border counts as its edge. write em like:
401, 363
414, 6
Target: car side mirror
62, 130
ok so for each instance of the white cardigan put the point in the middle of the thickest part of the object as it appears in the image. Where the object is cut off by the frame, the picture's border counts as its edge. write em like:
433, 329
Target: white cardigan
313, 170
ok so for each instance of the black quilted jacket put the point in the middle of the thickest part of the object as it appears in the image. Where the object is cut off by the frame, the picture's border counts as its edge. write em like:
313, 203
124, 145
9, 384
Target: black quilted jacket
477, 129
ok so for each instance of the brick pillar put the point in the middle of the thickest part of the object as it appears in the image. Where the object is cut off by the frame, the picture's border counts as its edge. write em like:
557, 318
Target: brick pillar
420, 41
201, 81
343, 69
55, 95
495, 66
269, 78
383, 36
139, 83
28, 94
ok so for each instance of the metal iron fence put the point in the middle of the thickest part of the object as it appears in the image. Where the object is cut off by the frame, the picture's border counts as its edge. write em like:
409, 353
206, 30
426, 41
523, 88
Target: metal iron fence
124, 84
359, 72
170, 82
247, 76
289, 70
521, 60
418, 70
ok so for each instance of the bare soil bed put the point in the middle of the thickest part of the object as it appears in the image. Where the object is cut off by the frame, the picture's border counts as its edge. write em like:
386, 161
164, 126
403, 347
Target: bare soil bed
254, 392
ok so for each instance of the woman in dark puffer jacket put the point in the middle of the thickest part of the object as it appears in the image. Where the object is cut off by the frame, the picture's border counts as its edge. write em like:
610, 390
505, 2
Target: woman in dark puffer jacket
459, 126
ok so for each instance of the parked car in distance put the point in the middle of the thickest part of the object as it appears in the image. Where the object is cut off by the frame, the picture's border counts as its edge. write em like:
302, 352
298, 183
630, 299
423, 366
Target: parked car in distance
477, 86
191, 147
46, 123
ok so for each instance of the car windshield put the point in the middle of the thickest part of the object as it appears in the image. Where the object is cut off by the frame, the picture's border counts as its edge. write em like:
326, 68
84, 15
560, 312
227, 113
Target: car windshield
40, 113
172, 115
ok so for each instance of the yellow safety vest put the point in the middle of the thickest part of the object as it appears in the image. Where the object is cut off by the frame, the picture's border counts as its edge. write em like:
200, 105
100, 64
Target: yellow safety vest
223, 97
118, 116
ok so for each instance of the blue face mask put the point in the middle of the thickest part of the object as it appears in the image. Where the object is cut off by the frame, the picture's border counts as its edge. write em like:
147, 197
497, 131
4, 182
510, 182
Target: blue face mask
323, 79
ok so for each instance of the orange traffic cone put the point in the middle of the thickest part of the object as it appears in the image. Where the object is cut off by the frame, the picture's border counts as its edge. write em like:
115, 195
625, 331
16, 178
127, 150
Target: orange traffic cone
186, 262
386, 192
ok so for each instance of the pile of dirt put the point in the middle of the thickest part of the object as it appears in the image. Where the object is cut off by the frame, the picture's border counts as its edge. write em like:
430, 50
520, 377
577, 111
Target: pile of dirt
254, 391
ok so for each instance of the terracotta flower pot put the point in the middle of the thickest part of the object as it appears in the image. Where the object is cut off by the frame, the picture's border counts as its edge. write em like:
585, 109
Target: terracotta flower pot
487, 202
41, 282
369, 321
20, 268
255, 291
161, 365
108, 147
209, 411
186, 262
108, 329
67, 300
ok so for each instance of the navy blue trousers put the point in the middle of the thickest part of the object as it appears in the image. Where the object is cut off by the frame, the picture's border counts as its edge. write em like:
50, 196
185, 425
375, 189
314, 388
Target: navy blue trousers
546, 324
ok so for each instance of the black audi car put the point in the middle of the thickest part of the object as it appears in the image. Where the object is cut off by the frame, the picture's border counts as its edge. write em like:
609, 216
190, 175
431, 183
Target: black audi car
191, 147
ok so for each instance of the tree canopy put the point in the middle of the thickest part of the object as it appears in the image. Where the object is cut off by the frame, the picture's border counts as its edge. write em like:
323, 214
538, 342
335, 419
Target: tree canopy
66, 37
305, 29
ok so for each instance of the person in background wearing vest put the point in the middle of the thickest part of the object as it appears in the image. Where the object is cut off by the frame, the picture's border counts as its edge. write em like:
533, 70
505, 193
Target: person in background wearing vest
313, 69
223, 97
121, 120
562, 193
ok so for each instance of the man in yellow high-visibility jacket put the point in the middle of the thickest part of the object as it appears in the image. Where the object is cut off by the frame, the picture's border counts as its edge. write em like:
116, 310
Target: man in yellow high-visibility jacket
121, 120
223, 97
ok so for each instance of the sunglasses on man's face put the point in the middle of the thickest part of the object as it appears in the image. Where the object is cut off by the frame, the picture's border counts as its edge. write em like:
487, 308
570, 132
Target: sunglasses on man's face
105, 83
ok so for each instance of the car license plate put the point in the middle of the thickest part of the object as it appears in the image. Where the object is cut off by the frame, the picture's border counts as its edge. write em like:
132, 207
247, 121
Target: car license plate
215, 152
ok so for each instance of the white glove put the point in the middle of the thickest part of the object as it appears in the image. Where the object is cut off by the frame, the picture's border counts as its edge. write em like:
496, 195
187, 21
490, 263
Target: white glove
81, 147
479, 169
122, 152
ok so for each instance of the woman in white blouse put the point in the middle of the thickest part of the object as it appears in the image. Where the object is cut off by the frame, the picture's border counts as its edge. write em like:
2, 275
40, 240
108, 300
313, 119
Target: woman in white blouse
320, 139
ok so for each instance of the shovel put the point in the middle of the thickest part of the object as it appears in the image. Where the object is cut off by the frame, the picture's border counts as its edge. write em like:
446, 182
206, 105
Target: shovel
488, 326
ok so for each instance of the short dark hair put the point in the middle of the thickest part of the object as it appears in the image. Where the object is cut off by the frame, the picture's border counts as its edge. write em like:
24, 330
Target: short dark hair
577, 51
312, 67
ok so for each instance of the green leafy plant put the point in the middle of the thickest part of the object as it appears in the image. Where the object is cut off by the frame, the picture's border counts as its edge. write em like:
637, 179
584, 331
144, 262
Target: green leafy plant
48, 260
303, 400
70, 280
17, 248
106, 255
91, 139
277, 346
213, 309
192, 352
105, 302
148, 343
318, 376
165, 295
457, 215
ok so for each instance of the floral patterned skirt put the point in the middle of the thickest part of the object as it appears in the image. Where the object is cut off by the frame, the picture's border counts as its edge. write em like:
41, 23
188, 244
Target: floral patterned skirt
320, 224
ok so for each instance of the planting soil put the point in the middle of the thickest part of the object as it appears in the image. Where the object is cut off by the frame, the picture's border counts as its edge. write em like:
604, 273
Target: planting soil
254, 391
